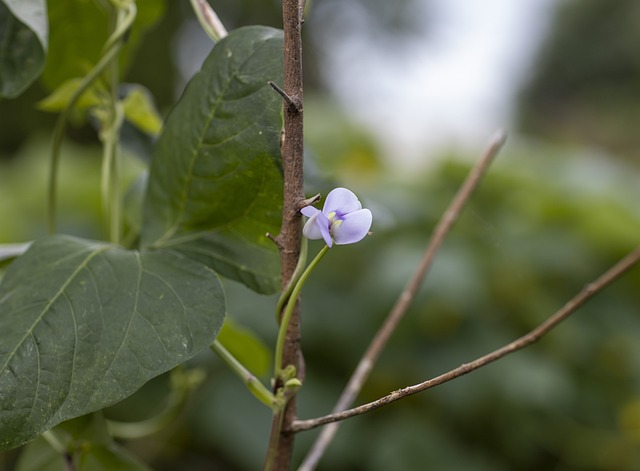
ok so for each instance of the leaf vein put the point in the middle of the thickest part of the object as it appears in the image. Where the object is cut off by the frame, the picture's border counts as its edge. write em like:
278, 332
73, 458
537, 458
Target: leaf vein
52, 301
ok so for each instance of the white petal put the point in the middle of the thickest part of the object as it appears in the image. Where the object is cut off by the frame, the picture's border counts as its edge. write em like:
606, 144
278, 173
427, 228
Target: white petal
311, 229
353, 227
342, 201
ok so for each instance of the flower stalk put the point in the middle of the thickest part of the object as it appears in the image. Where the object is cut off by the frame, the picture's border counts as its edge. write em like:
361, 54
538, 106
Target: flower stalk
286, 316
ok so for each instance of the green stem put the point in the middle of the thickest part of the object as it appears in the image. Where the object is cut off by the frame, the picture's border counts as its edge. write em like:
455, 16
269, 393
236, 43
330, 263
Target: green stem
110, 54
286, 316
54, 442
273, 442
253, 384
58, 133
123, 18
297, 273
110, 174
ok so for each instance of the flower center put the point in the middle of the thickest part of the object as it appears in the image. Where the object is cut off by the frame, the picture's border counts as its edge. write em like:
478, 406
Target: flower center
335, 219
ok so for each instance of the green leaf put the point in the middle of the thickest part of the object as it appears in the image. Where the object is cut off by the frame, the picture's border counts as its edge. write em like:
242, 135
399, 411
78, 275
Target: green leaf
23, 44
59, 98
84, 324
79, 30
140, 110
246, 347
215, 183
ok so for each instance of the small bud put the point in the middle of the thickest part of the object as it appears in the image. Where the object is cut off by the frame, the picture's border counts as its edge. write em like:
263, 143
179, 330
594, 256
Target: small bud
293, 383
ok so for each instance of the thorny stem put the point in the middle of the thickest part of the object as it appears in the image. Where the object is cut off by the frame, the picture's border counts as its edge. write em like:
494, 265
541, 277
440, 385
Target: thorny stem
533, 336
403, 302
288, 241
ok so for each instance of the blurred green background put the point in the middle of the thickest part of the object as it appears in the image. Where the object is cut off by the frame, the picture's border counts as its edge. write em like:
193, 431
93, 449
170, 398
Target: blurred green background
558, 208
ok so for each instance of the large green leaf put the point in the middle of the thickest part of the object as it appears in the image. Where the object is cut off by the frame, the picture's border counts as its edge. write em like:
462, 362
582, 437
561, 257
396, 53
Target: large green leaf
23, 44
215, 184
84, 324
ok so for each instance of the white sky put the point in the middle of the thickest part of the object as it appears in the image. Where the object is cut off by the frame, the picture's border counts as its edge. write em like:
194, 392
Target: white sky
454, 85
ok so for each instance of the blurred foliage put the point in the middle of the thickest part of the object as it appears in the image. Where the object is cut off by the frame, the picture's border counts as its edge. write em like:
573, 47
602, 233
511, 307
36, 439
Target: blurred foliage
23, 191
150, 59
73, 51
586, 85
546, 221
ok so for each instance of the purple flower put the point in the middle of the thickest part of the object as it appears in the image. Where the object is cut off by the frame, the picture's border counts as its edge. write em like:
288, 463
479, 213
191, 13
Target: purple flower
342, 219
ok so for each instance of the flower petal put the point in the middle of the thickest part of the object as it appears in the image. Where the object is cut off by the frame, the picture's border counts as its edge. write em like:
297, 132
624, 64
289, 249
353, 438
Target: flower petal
309, 211
353, 227
323, 222
311, 229
317, 227
341, 201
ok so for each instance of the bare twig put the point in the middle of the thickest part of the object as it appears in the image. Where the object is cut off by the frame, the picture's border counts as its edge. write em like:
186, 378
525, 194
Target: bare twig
536, 334
403, 302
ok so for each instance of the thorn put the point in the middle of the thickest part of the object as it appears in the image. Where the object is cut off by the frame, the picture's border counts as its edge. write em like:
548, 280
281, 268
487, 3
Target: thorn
307, 202
274, 239
293, 103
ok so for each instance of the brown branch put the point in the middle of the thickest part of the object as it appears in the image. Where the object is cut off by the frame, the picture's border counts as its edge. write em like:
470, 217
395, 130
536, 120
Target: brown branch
403, 302
288, 241
533, 336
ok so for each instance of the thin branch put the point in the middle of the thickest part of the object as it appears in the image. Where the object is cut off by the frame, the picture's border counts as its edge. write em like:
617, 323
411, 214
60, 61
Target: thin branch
403, 302
533, 336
